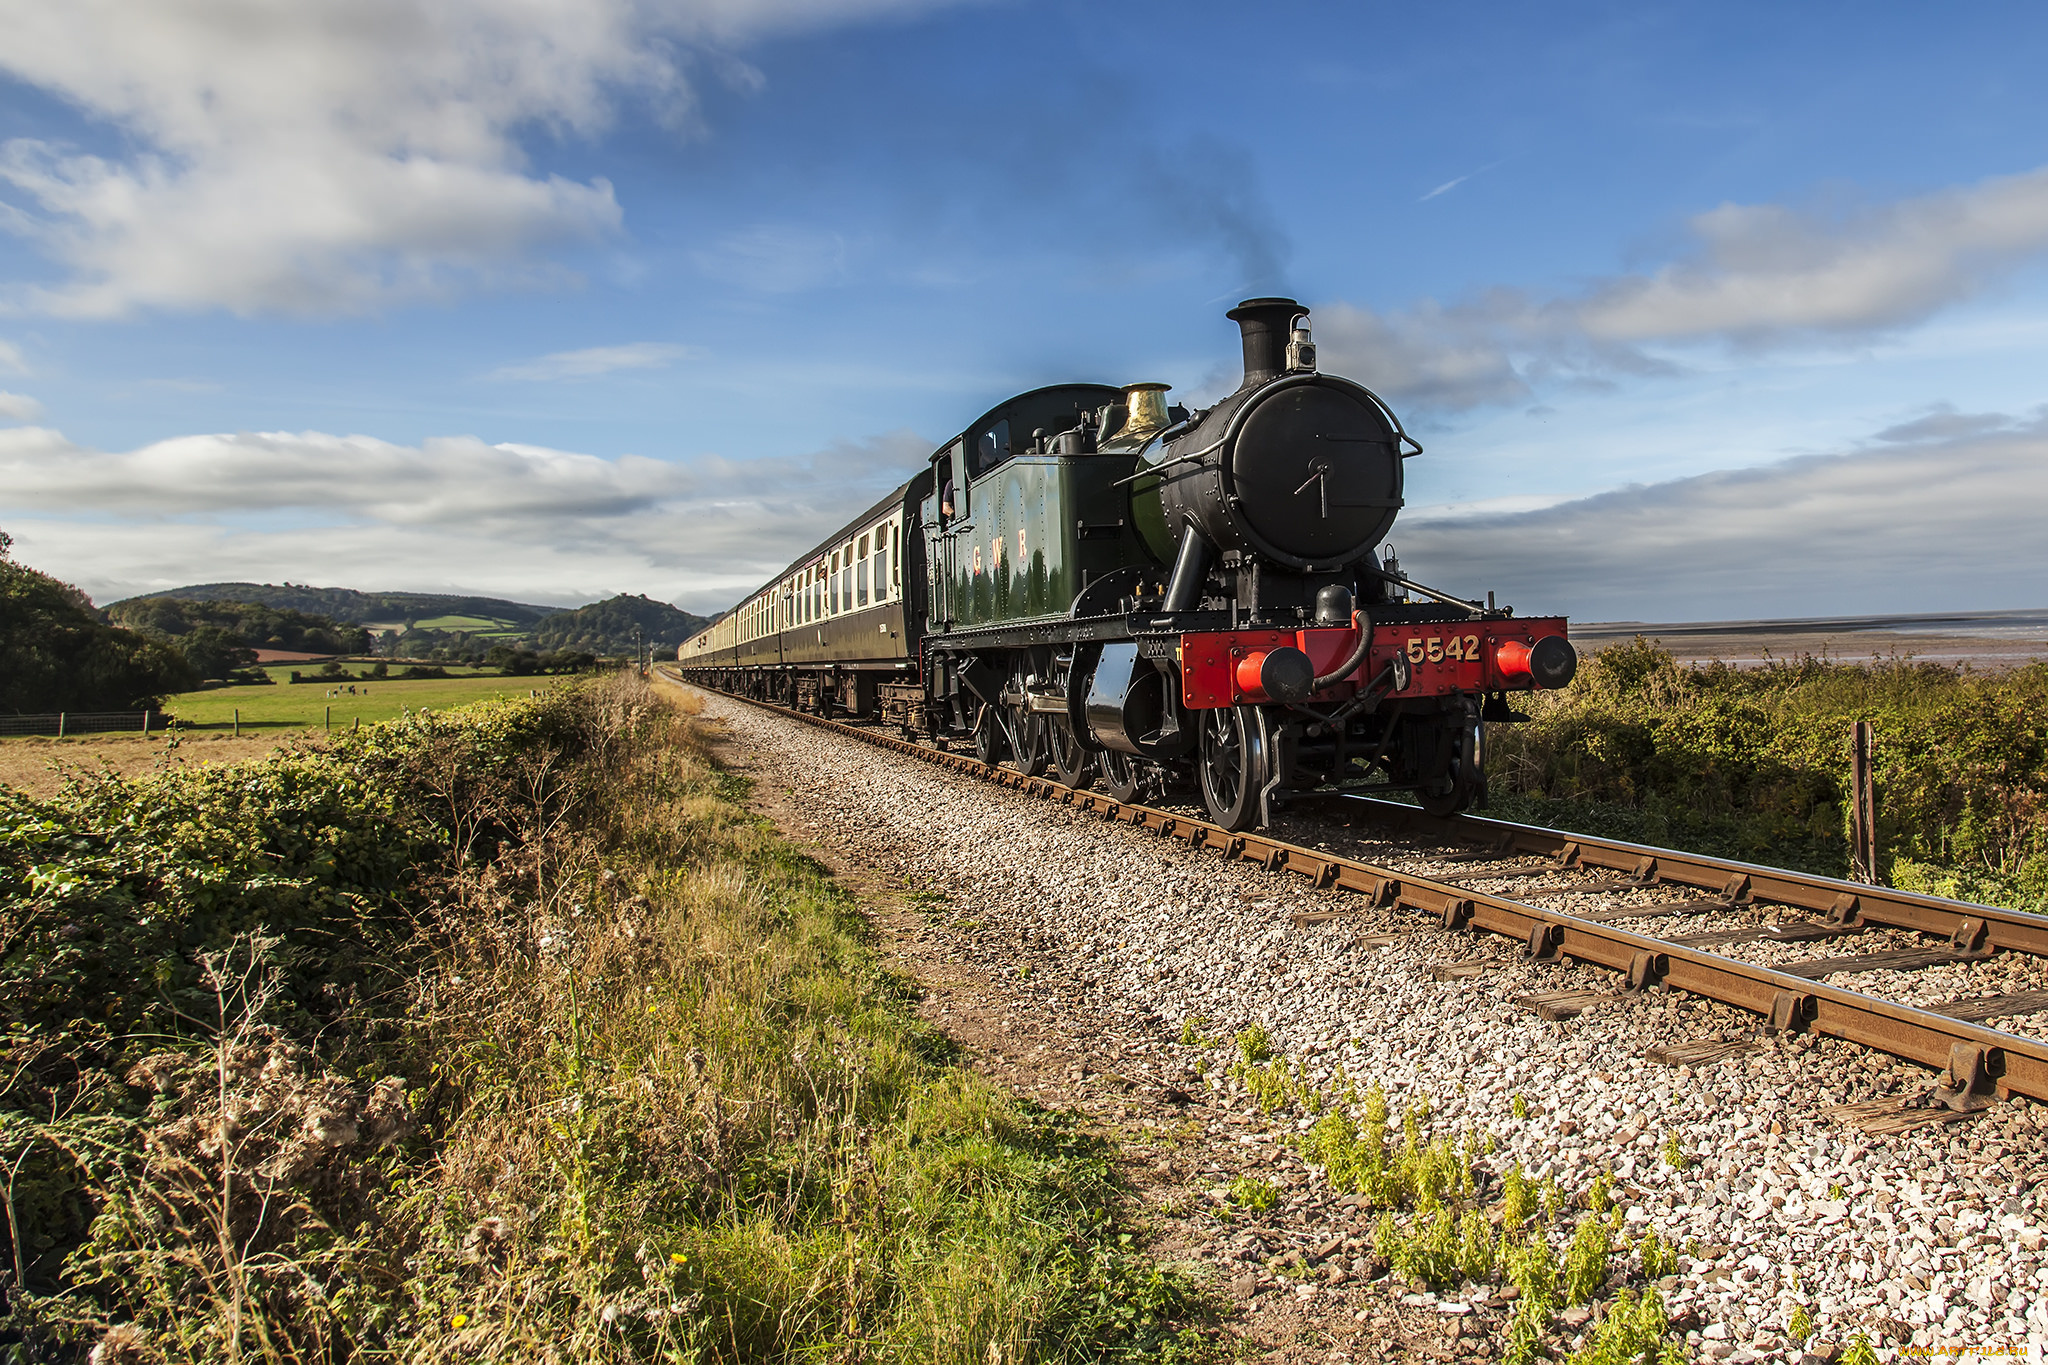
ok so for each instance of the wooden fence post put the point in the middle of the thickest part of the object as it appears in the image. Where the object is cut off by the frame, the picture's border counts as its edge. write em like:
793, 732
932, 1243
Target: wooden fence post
60, 725
238, 722
145, 722
330, 720
1863, 806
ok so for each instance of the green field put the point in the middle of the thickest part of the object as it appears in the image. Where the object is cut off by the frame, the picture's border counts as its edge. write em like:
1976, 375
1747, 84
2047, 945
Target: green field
475, 625
305, 706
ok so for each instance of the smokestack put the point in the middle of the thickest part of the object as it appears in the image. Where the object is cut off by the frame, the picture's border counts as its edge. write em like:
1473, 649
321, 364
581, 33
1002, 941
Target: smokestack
1265, 324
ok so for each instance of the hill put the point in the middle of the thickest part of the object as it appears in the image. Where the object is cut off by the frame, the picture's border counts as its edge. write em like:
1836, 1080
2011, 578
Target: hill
248, 624
446, 626
607, 627
488, 614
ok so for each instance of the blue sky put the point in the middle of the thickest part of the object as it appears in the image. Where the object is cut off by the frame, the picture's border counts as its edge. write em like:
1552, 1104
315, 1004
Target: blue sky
1700, 310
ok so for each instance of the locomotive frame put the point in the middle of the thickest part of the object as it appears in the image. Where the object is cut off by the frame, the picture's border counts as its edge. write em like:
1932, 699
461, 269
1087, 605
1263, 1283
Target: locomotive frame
1148, 596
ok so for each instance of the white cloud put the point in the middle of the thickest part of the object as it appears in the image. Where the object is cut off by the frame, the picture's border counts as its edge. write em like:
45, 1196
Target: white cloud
1755, 276
775, 258
513, 520
1763, 271
330, 156
595, 360
19, 406
11, 358
1941, 513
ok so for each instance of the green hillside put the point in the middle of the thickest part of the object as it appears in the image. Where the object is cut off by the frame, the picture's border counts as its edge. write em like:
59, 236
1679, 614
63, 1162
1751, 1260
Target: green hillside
364, 608
607, 627
251, 624
444, 627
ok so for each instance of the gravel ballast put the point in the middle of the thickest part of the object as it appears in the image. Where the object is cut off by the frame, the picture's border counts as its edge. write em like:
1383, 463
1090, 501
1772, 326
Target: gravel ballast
1932, 1237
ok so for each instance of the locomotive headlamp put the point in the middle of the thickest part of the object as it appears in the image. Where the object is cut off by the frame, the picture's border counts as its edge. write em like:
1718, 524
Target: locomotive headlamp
1301, 349
1550, 662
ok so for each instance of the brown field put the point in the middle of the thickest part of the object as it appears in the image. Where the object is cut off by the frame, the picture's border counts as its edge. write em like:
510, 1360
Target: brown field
38, 766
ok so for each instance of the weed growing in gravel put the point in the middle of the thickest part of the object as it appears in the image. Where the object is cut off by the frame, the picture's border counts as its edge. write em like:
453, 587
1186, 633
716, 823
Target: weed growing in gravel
1517, 1198
1191, 1034
1254, 1194
1520, 1107
1585, 1260
1531, 1269
1655, 1257
1799, 1326
1859, 1352
1674, 1155
1415, 1174
1631, 1333
1270, 1086
1254, 1044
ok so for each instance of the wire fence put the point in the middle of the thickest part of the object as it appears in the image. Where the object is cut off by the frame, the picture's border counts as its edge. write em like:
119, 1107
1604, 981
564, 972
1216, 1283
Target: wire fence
62, 723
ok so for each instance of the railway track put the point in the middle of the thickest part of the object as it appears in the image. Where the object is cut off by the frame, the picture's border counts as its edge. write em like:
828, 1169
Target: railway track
1977, 1063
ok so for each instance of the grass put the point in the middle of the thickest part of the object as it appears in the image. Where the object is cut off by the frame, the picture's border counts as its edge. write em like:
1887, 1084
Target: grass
537, 1045
475, 625
304, 706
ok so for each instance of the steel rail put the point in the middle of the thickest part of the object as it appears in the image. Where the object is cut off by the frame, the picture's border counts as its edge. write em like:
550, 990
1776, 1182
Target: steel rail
1968, 926
1975, 1061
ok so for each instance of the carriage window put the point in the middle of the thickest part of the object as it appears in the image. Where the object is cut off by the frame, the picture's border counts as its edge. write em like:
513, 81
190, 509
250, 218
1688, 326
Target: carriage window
896, 544
992, 449
881, 565
860, 573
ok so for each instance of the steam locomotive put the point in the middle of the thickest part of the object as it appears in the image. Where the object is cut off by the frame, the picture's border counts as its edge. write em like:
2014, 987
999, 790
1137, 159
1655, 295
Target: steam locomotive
1092, 580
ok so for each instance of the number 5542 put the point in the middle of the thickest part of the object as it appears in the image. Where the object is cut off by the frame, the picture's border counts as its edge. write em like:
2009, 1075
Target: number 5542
1437, 648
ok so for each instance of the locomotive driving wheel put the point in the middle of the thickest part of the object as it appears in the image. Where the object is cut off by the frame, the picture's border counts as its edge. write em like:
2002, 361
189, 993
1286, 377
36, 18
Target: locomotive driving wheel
1122, 777
1232, 765
1032, 741
991, 745
1074, 764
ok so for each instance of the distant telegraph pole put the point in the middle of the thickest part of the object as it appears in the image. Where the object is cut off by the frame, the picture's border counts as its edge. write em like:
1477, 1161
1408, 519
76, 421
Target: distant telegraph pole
1863, 806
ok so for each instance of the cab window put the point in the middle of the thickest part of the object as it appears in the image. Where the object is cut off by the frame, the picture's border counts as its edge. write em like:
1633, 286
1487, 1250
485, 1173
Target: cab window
992, 448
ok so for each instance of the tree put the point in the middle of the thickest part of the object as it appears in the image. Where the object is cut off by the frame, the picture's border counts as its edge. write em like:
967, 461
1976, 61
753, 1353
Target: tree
57, 655
213, 652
